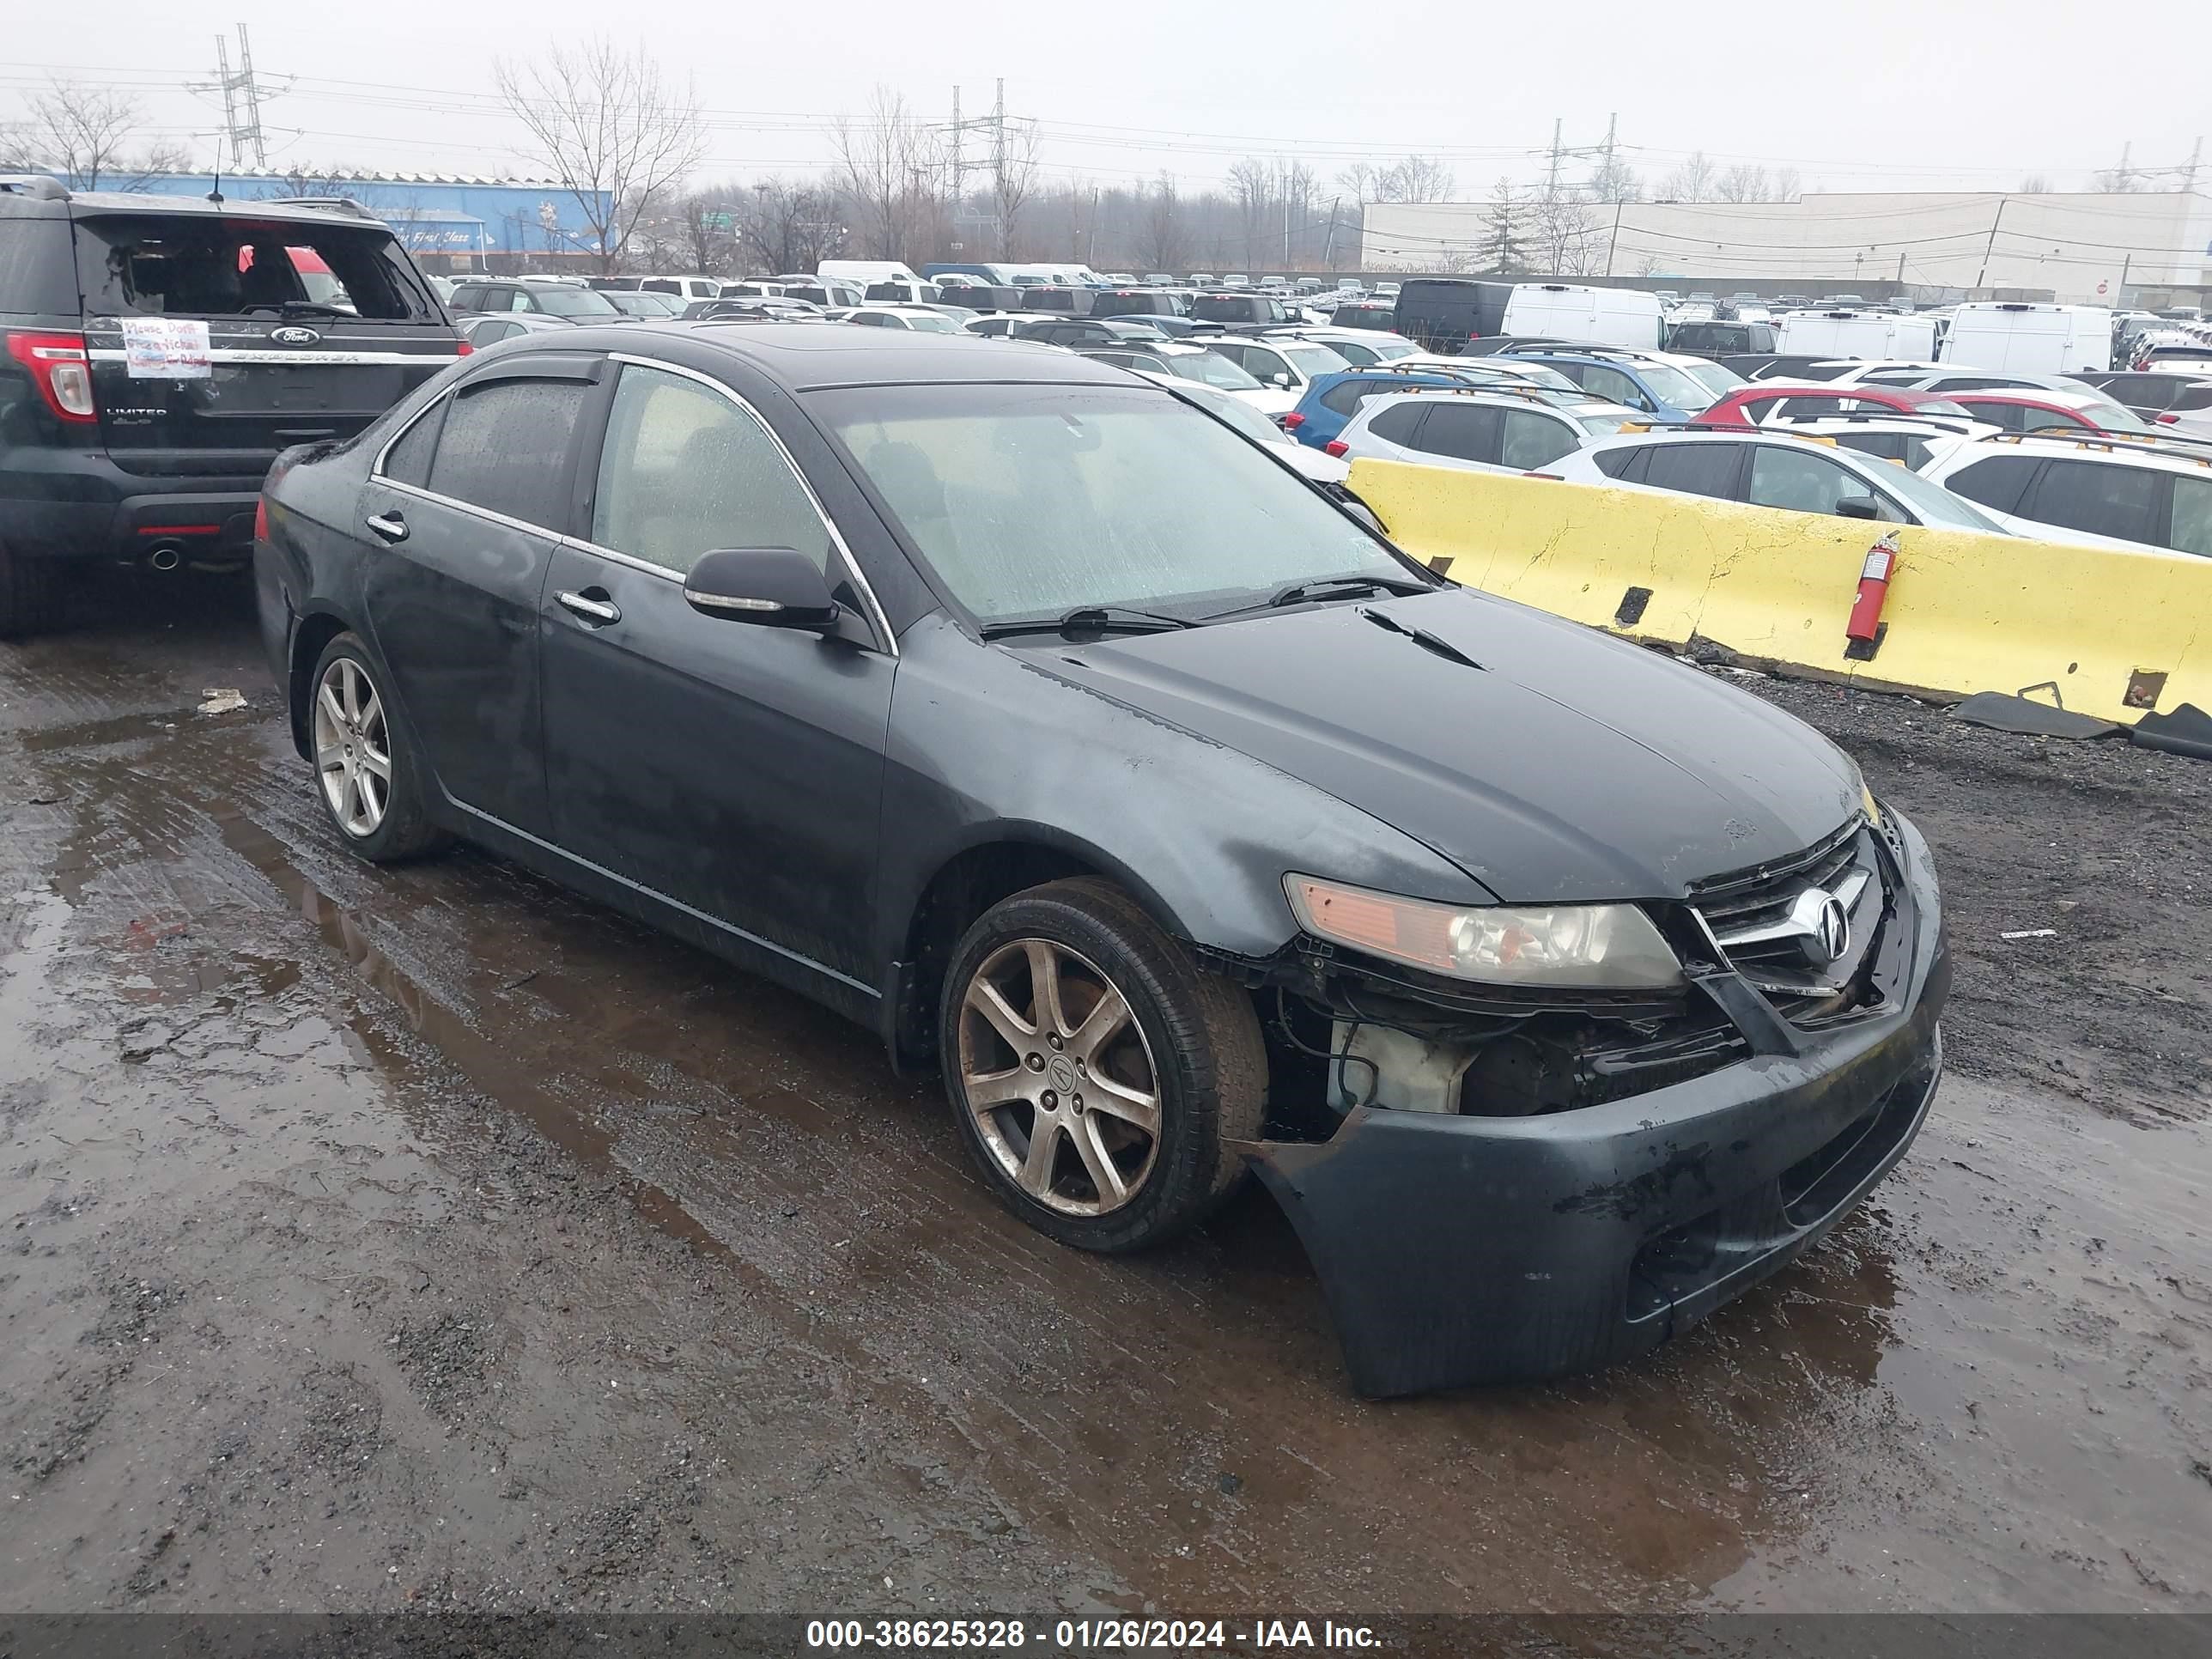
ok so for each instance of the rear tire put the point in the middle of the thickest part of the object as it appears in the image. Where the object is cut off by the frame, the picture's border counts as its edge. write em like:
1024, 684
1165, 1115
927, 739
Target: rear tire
31, 593
366, 776
1100, 1110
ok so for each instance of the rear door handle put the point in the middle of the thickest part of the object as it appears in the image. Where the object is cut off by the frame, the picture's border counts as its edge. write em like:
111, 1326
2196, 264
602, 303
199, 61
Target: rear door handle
597, 612
390, 526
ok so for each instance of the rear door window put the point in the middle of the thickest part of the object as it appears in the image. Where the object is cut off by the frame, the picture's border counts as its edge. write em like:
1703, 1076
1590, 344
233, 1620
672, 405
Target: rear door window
1346, 397
1465, 432
1997, 483
1611, 385
1695, 469
505, 448
2104, 500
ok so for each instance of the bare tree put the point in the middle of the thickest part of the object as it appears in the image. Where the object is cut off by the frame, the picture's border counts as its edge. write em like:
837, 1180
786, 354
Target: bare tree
887, 164
1787, 186
1744, 183
1414, 179
1360, 181
82, 134
1161, 244
1252, 189
1566, 233
1614, 180
792, 226
1013, 182
2036, 184
1692, 181
610, 129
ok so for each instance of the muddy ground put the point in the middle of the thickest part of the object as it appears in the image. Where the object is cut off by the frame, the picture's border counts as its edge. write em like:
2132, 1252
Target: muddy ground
427, 1238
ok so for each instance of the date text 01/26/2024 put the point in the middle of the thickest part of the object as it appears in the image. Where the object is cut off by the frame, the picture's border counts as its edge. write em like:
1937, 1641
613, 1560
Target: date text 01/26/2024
1086, 1635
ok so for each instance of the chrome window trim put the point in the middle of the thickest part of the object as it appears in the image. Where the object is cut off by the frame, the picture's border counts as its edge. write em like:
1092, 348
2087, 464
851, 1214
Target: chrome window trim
227, 354
376, 472
878, 619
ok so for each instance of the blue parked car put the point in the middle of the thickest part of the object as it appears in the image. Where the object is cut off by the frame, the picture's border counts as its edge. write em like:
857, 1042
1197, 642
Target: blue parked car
1666, 386
1332, 400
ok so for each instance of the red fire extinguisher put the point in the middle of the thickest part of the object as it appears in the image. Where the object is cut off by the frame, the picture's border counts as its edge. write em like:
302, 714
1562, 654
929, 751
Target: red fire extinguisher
1864, 628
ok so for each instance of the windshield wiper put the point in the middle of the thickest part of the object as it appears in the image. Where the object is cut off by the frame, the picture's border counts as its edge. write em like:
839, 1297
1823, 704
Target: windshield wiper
1331, 587
1090, 619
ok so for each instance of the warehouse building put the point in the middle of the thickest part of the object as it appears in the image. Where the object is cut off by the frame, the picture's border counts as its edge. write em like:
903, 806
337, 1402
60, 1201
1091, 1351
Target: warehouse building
2086, 247
451, 224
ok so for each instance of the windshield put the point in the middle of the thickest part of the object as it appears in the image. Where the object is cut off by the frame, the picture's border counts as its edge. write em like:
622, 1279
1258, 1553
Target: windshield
1239, 414
557, 300
1541, 374
1607, 425
935, 322
1031, 500
1389, 350
1210, 369
1313, 359
1716, 380
1934, 504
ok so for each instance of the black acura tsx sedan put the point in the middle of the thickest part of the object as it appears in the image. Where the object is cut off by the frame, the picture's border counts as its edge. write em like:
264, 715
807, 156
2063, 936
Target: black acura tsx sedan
1056, 732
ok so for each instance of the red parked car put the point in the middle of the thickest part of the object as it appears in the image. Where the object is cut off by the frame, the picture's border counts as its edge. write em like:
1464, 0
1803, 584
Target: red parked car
2034, 410
1762, 403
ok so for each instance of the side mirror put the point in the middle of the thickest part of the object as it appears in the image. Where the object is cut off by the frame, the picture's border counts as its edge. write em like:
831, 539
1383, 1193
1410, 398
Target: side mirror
1857, 507
1282, 379
775, 587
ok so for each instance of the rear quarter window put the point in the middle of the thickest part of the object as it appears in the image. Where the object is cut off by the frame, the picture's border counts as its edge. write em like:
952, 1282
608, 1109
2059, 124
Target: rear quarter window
38, 272
1996, 483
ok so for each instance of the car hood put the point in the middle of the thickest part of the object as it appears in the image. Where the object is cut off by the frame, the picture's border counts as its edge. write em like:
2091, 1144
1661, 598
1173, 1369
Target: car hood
1269, 399
1569, 766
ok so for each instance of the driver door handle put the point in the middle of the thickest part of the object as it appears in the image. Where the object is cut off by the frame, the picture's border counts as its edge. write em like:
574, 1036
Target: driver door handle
390, 526
597, 612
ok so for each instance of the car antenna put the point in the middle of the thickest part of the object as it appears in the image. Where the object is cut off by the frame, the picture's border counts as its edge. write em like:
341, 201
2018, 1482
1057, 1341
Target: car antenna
216, 195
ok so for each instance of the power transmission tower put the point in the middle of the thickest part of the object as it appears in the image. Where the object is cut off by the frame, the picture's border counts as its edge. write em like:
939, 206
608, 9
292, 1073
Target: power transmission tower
1551, 179
241, 92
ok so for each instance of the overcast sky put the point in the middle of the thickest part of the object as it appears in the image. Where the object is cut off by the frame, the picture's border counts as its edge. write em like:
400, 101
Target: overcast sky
1853, 94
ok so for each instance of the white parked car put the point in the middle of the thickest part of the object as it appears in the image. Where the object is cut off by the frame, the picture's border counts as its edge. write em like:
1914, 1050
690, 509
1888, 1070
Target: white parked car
921, 320
1480, 431
1357, 346
1182, 362
1781, 470
2101, 491
1306, 462
1847, 332
1289, 365
686, 289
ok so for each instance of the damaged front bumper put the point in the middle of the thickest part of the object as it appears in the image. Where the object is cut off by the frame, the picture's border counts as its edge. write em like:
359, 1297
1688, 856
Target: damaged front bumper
1457, 1250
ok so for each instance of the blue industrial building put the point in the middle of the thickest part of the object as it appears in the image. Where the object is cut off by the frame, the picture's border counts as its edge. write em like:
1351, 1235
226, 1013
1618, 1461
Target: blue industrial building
450, 223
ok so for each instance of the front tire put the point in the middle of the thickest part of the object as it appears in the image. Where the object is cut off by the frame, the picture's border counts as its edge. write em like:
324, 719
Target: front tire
366, 778
1095, 1072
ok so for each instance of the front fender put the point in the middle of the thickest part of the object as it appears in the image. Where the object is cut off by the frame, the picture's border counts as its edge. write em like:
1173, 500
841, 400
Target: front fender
985, 745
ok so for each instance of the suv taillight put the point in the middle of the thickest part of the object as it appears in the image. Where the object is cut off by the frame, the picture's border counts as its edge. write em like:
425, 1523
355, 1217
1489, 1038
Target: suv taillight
1294, 421
1337, 446
463, 349
62, 372
261, 519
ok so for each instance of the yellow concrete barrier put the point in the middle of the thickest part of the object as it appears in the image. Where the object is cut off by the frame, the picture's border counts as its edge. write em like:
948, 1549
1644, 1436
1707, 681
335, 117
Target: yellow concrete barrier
2098, 631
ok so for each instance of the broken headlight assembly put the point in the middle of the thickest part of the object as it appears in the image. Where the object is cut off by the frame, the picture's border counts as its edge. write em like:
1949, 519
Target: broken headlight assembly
1567, 946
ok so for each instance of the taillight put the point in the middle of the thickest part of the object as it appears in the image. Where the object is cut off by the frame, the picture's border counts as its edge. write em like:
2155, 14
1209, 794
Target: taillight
463, 349
1294, 421
1336, 446
261, 519
62, 372
2169, 419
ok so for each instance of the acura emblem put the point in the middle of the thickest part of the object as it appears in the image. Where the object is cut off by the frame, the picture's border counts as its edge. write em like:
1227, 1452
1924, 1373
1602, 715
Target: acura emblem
1834, 923
293, 336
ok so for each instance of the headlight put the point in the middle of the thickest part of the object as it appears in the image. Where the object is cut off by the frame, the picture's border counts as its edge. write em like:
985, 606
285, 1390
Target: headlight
1611, 946
1873, 807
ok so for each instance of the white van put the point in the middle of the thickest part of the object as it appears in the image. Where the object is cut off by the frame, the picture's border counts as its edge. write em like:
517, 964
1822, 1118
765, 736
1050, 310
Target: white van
2014, 337
1572, 311
1869, 334
682, 288
862, 272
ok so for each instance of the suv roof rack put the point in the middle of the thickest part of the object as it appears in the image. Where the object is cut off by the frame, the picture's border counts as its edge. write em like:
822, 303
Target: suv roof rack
38, 186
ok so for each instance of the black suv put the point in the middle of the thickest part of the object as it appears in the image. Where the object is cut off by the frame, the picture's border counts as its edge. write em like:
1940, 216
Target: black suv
571, 302
1242, 313
159, 351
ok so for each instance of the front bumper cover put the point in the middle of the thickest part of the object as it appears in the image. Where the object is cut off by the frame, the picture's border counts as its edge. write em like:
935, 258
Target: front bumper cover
1459, 1249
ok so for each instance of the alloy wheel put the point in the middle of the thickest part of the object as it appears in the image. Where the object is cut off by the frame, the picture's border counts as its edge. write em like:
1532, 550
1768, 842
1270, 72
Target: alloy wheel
352, 747
1059, 1077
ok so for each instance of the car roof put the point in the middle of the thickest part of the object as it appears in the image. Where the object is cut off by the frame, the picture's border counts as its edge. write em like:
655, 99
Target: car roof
141, 202
2116, 447
806, 356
